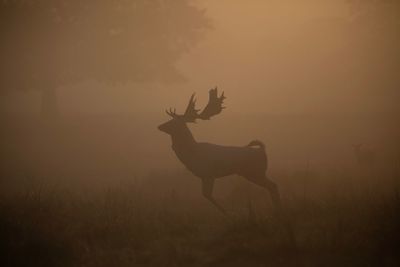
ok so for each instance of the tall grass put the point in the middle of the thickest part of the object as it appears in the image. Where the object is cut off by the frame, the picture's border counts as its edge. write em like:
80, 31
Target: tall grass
130, 225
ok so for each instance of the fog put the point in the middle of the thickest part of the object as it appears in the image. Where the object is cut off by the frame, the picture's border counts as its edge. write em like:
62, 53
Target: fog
271, 56
322, 71
309, 78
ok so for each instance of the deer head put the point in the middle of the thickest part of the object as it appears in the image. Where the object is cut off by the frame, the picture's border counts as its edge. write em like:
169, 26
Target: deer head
178, 121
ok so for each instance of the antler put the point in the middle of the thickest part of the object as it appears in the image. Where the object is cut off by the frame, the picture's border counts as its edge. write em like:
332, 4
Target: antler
191, 113
213, 107
172, 112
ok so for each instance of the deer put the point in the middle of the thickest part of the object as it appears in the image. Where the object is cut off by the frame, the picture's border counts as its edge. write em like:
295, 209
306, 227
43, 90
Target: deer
365, 156
210, 161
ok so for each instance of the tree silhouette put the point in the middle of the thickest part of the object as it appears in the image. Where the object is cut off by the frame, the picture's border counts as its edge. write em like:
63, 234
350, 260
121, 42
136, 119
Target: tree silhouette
48, 43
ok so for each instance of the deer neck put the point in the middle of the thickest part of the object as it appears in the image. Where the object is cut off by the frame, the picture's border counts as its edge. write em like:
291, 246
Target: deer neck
183, 139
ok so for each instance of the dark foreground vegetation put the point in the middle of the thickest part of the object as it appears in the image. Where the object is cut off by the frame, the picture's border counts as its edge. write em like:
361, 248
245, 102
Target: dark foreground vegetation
130, 225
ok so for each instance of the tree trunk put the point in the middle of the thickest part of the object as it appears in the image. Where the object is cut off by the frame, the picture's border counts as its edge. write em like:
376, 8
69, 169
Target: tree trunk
49, 105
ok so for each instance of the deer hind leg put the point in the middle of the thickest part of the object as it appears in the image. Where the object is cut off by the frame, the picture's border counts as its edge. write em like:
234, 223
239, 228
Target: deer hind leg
269, 185
207, 189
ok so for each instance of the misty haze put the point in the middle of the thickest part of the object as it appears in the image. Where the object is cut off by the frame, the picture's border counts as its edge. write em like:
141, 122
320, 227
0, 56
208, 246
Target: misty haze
288, 154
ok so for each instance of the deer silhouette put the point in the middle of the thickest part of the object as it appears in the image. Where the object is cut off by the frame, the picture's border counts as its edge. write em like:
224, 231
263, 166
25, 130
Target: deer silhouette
209, 161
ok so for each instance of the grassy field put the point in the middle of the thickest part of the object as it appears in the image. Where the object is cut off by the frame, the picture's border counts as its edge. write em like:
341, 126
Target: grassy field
75, 196
132, 225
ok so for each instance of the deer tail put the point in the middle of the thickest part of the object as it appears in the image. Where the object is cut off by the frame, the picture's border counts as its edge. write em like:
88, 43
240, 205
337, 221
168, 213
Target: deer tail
257, 143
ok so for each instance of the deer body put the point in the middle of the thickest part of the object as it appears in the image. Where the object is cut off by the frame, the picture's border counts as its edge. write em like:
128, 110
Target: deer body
214, 161
209, 161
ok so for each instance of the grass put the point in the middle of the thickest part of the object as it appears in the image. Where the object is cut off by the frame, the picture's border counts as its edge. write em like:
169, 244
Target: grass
127, 225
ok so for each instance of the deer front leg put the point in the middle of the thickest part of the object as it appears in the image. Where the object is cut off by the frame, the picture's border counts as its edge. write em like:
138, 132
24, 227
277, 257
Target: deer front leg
207, 189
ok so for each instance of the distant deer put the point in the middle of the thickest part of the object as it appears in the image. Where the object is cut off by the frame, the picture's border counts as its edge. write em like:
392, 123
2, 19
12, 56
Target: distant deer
208, 161
365, 156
